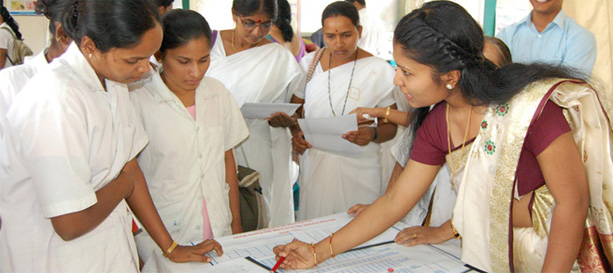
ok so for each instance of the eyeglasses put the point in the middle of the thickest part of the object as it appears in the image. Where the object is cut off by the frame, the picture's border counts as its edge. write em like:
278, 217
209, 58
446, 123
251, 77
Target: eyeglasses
250, 25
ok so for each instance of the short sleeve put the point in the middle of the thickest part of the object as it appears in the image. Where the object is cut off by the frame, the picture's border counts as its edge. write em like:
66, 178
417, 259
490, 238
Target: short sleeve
550, 124
428, 147
5, 39
51, 139
235, 128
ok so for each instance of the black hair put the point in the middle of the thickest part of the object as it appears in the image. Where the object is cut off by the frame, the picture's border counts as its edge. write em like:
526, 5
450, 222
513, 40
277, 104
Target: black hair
163, 3
284, 20
250, 7
181, 26
443, 36
9, 20
53, 10
503, 49
361, 2
341, 8
109, 23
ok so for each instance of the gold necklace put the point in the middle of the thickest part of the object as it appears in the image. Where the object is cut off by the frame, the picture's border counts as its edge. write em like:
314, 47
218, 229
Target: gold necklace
451, 163
233, 47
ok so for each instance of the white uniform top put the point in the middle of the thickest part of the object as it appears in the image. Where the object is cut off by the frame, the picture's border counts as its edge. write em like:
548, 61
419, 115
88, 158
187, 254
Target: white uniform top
184, 161
6, 42
67, 138
13, 79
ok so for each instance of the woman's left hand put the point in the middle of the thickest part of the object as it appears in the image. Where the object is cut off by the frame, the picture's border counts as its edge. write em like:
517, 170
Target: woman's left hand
362, 136
197, 253
281, 119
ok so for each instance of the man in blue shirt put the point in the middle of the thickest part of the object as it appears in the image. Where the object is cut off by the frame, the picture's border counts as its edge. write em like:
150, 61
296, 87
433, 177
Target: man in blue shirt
548, 35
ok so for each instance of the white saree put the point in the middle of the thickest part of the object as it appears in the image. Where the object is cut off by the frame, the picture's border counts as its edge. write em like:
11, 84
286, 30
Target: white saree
483, 208
332, 183
264, 74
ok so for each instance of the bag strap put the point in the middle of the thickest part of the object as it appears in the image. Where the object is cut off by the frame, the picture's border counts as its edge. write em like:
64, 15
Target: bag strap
244, 156
14, 38
316, 59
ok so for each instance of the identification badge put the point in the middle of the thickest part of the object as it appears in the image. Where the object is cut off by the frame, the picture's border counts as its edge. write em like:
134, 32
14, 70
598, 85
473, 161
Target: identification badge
354, 94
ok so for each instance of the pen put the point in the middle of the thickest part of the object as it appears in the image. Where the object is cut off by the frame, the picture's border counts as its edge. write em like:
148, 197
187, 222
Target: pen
274, 268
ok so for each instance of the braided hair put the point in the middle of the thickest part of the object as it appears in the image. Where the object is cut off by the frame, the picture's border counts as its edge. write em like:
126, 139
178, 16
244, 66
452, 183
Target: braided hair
284, 20
9, 20
443, 36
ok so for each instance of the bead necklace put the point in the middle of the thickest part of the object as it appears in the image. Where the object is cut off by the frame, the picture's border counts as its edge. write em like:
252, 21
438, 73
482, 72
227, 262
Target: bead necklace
451, 163
348, 87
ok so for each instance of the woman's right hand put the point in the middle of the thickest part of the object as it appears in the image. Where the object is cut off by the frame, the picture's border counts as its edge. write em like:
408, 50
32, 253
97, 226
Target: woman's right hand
197, 253
299, 144
298, 255
361, 111
357, 209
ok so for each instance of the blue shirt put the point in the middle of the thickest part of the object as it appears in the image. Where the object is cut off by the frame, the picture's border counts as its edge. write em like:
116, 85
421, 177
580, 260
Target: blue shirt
562, 42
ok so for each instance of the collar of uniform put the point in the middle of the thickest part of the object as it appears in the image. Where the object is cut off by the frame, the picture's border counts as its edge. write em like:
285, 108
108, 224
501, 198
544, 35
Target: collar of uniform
162, 93
39, 60
74, 58
558, 20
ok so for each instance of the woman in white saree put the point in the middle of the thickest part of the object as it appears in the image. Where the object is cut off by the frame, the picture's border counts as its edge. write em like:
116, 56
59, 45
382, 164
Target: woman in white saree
343, 77
531, 179
256, 70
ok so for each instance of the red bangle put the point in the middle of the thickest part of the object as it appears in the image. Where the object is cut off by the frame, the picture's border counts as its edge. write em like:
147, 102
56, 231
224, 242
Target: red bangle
332, 251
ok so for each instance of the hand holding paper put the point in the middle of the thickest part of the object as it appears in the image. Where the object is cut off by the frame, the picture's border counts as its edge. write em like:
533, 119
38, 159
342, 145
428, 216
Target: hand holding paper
265, 110
327, 134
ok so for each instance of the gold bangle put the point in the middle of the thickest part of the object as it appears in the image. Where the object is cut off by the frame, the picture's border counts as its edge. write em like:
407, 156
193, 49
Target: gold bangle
314, 254
170, 249
387, 113
331, 251
456, 234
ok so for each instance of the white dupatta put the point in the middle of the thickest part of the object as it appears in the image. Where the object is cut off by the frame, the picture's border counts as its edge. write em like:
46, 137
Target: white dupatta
263, 74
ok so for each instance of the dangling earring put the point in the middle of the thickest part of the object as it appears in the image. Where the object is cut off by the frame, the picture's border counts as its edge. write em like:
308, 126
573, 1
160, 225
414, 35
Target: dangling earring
449, 86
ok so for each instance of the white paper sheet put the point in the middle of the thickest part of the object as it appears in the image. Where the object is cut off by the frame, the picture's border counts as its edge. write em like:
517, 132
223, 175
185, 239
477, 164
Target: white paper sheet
234, 266
264, 110
327, 134
420, 258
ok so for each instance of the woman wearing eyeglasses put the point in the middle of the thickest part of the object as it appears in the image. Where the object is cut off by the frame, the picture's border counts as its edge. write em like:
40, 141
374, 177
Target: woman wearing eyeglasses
259, 71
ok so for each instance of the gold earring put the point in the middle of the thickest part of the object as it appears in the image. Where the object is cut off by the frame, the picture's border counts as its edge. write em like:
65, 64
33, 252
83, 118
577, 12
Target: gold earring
57, 38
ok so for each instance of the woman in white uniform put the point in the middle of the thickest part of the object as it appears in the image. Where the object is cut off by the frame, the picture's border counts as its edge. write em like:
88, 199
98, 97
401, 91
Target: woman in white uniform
344, 77
193, 122
13, 79
256, 70
9, 30
72, 139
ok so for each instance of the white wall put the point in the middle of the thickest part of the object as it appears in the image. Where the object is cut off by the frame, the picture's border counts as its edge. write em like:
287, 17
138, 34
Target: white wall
34, 30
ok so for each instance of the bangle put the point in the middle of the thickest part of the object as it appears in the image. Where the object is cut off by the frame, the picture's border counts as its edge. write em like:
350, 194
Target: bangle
331, 251
375, 137
170, 249
387, 113
456, 234
314, 254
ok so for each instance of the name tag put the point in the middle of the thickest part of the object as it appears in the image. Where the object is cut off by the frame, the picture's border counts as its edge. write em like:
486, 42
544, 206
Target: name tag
354, 94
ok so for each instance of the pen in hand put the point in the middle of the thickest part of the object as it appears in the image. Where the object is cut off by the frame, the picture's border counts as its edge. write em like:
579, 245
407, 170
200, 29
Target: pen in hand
274, 268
